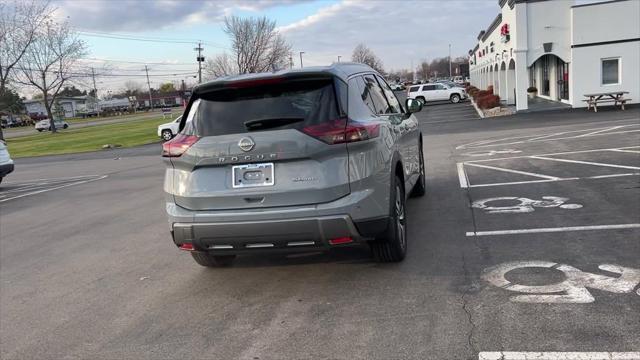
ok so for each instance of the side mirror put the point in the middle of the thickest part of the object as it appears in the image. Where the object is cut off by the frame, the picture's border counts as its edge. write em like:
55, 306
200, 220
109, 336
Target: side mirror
413, 105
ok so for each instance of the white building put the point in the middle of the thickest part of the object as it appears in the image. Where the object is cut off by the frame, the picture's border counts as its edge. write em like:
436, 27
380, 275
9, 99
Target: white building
70, 105
564, 50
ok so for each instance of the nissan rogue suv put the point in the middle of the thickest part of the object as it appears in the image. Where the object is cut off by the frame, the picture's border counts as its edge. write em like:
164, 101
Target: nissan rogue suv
296, 160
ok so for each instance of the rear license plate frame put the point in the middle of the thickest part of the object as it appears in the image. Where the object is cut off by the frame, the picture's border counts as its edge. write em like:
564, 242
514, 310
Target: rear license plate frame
239, 171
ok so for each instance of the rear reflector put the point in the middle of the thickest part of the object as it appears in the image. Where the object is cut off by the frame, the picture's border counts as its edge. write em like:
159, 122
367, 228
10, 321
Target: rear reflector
178, 145
187, 247
340, 240
342, 131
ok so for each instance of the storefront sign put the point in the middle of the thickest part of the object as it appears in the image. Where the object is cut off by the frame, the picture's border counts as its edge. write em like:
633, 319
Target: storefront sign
504, 33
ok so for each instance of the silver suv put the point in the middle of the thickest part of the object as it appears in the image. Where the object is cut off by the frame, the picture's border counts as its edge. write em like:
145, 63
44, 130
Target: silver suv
296, 160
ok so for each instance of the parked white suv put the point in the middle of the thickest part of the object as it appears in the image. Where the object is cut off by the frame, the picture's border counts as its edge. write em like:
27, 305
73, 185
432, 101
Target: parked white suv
169, 130
45, 124
6, 164
436, 92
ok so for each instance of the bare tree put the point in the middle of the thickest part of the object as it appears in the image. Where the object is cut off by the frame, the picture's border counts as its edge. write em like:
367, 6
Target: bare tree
256, 46
423, 70
362, 54
221, 65
132, 87
19, 22
50, 63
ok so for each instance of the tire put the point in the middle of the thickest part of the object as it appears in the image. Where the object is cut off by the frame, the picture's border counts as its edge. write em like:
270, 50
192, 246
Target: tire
420, 188
421, 98
166, 135
1, 180
65, 126
392, 245
455, 98
39, 130
208, 260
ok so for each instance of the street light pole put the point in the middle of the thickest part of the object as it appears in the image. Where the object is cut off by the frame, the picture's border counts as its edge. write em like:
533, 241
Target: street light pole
301, 52
339, 58
449, 61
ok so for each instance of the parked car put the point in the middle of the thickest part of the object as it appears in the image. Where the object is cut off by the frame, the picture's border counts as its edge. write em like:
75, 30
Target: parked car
43, 125
449, 83
397, 87
436, 92
6, 164
458, 79
302, 160
167, 131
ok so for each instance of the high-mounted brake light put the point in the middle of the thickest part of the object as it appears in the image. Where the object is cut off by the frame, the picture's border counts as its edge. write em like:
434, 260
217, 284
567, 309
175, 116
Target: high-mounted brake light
342, 131
178, 145
252, 83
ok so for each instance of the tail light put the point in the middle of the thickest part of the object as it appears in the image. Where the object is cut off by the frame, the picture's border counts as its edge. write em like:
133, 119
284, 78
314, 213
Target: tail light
178, 145
342, 131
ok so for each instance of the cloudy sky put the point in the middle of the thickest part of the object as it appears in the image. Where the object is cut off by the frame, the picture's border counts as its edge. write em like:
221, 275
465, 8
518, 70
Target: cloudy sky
400, 32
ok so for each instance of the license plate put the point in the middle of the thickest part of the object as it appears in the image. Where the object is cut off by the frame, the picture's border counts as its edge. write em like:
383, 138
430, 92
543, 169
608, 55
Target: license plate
252, 175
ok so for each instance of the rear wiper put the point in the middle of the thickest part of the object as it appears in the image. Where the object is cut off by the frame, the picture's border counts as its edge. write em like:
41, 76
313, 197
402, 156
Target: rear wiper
269, 123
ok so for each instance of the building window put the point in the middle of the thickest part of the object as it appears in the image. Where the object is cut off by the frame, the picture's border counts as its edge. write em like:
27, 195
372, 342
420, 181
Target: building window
611, 71
532, 76
545, 75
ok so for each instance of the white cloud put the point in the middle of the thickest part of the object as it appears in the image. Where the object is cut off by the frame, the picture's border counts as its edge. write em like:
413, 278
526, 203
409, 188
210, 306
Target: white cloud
397, 31
135, 15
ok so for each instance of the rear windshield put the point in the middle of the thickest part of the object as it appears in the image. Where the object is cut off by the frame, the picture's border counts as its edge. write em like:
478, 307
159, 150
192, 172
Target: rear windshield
414, 88
288, 105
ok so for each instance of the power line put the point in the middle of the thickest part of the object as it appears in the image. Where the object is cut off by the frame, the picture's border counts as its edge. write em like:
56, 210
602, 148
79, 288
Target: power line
148, 39
140, 62
108, 74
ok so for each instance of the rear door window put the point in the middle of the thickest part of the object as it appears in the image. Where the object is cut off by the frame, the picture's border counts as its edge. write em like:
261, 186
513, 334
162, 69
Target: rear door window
379, 100
365, 94
289, 104
414, 89
394, 104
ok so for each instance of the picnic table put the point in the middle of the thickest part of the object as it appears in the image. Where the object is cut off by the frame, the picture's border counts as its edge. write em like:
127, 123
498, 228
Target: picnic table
606, 97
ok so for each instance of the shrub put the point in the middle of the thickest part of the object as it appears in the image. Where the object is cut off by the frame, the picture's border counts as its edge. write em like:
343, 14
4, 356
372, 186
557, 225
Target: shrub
488, 101
532, 89
490, 89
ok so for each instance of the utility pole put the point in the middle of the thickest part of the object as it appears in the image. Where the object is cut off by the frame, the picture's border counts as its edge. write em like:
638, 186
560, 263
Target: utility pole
95, 90
149, 85
200, 59
339, 58
449, 61
301, 52
290, 60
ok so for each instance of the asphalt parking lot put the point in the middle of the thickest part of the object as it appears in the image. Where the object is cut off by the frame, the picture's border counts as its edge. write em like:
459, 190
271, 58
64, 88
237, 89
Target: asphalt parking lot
526, 243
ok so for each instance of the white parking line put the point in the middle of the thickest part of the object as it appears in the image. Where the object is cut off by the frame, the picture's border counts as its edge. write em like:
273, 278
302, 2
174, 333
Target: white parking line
544, 157
529, 355
462, 176
585, 162
626, 151
558, 153
550, 137
51, 189
514, 171
551, 230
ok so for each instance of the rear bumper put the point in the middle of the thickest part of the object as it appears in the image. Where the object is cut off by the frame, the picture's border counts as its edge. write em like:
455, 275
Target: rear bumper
289, 235
5, 169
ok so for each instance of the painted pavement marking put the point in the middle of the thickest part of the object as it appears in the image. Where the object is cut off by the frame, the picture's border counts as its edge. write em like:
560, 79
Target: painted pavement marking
524, 205
45, 185
573, 288
553, 355
609, 130
491, 152
552, 230
545, 157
